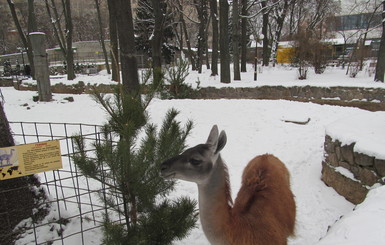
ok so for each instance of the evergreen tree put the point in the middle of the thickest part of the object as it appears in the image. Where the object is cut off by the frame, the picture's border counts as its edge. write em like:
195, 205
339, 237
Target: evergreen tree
129, 166
14, 208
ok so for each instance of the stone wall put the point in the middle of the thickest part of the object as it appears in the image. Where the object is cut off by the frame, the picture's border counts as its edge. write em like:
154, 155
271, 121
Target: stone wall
372, 99
350, 173
365, 98
299, 92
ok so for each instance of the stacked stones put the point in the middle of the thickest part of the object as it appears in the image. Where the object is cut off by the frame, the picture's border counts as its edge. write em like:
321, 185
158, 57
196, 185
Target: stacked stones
366, 170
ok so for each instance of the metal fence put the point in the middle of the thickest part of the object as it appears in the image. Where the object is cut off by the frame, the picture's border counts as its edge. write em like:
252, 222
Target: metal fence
76, 207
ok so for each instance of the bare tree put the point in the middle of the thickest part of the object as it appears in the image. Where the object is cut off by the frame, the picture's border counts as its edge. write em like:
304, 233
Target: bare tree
265, 25
179, 7
236, 34
224, 41
69, 33
125, 27
279, 13
114, 44
244, 36
380, 67
24, 38
158, 7
201, 7
101, 33
214, 25
63, 37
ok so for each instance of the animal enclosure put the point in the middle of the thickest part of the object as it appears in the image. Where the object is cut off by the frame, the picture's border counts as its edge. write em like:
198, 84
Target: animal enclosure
73, 209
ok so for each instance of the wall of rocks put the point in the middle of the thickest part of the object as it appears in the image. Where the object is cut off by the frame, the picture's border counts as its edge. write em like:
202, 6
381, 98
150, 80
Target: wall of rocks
350, 173
299, 92
61, 88
366, 98
372, 99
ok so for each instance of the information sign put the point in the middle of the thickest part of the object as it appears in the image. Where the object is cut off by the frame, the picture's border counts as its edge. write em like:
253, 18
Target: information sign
22, 160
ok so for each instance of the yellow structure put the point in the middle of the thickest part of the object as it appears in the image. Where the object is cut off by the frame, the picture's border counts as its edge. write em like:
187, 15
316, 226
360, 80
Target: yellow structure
285, 53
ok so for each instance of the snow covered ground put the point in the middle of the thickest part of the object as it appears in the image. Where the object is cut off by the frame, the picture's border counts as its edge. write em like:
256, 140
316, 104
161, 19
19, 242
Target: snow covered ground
270, 76
253, 127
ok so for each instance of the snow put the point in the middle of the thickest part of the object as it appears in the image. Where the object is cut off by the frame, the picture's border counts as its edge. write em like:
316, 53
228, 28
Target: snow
267, 76
367, 132
288, 77
255, 127
362, 226
346, 173
36, 33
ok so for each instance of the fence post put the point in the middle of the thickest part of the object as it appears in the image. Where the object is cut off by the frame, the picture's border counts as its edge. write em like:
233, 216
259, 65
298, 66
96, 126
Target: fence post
41, 65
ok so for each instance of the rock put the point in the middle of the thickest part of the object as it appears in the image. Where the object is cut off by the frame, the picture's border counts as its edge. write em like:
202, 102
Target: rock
332, 159
69, 99
352, 190
363, 160
379, 165
367, 177
329, 144
338, 150
347, 153
344, 165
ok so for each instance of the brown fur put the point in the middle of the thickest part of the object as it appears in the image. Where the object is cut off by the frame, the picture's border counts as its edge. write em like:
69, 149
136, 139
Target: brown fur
264, 210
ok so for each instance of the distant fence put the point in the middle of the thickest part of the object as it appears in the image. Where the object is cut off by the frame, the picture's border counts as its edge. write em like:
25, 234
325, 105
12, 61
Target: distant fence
76, 210
57, 59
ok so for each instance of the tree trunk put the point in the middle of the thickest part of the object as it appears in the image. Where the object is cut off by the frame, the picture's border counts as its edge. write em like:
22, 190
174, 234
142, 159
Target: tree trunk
32, 26
114, 41
101, 32
237, 72
156, 41
190, 53
56, 26
281, 15
201, 7
26, 43
362, 53
224, 41
265, 23
69, 32
244, 36
380, 67
214, 54
207, 42
130, 78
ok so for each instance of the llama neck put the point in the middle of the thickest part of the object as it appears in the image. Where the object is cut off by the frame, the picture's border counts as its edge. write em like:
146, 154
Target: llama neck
215, 203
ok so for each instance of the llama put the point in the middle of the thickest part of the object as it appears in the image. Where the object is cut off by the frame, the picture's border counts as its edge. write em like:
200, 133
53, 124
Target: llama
263, 212
6, 157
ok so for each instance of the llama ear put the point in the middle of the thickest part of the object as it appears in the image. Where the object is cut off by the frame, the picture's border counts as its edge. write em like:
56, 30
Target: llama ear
212, 140
222, 140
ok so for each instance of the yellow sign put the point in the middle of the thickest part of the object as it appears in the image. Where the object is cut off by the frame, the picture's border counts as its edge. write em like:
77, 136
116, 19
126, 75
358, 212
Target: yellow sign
21, 160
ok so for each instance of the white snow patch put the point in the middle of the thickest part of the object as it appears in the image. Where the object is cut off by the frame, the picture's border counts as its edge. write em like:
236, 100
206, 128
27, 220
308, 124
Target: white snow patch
366, 131
364, 225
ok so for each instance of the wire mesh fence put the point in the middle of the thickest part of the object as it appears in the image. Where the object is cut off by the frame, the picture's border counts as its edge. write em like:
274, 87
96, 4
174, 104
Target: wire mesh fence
75, 206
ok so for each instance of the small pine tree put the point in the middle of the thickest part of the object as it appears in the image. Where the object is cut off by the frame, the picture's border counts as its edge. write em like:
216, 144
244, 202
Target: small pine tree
130, 168
175, 77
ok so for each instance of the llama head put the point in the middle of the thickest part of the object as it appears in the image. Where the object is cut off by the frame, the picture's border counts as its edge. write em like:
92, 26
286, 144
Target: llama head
196, 163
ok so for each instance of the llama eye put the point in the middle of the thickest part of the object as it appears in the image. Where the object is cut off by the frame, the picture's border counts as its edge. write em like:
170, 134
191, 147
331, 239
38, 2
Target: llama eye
195, 162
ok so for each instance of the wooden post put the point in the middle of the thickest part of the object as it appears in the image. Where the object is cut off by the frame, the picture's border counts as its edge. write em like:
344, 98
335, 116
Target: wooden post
41, 65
